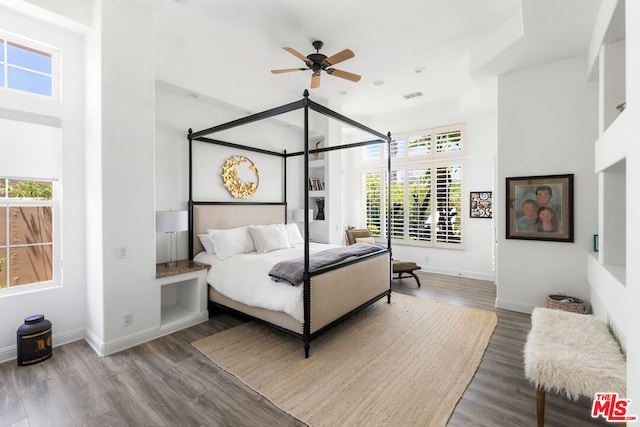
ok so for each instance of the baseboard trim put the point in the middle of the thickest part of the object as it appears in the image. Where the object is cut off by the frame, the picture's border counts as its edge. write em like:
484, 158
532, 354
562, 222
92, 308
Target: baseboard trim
117, 345
111, 347
10, 353
512, 306
467, 274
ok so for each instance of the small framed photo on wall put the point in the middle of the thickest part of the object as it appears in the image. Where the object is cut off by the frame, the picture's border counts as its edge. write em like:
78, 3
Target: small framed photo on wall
481, 204
540, 208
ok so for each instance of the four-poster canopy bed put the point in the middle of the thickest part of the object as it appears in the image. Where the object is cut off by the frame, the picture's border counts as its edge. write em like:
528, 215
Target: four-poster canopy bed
327, 294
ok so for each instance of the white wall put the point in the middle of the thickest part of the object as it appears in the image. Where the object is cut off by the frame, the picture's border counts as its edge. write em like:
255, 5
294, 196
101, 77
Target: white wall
176, 112
633, 203
63, 305
121, 140
547, 122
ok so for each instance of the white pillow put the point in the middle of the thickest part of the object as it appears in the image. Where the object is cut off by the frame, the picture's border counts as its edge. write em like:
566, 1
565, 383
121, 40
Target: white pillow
293, 233
207, 244
365, 240
268, 238
231, 242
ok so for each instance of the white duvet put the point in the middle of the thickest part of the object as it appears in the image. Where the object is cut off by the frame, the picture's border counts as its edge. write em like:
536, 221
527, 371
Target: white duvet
245, 278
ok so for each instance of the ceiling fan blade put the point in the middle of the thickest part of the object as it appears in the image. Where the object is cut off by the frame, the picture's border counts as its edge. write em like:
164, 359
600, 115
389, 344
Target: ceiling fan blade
343, 74
288, 70
297, 54
338, 57
315, 80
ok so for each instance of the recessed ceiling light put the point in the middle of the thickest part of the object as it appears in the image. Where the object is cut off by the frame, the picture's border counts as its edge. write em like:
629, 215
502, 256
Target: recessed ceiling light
192, 95
182, 1
342, 92
378, 83
419, 70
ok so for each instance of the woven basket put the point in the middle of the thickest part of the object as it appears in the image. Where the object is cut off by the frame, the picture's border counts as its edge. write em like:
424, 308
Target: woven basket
567, 303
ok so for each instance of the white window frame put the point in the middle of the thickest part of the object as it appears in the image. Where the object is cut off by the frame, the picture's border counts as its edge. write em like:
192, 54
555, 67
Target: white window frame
37, 46
405, 163
56, 262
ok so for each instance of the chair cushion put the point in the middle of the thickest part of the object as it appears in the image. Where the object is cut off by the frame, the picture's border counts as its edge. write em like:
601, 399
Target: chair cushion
354, 233
404, 266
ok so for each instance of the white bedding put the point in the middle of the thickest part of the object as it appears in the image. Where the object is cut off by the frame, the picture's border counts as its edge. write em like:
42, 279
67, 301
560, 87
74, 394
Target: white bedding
245, 278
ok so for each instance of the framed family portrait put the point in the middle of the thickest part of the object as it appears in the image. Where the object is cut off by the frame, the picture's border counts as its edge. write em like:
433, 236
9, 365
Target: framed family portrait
481, 203
540, 208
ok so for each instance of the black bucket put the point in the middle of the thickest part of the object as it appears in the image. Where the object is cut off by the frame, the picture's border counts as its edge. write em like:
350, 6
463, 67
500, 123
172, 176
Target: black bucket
34, 340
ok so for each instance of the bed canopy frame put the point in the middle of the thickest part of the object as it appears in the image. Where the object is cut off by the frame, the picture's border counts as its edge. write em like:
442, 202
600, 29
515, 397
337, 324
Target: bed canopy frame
306, 104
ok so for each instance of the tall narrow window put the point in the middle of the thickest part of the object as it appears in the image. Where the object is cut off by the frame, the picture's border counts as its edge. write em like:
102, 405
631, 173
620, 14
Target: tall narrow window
419, 187
425, 188
397, 204
373, 206
30, 243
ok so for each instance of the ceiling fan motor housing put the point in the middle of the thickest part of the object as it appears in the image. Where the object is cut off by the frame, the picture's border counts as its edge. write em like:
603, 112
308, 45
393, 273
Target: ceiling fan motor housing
316, 60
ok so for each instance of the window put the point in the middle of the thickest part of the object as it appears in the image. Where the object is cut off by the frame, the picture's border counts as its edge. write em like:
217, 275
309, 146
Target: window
26, 68
30, 204
425, 188
26, 232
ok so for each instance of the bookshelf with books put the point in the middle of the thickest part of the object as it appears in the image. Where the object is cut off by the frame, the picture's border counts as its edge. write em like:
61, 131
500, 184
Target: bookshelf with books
318, 193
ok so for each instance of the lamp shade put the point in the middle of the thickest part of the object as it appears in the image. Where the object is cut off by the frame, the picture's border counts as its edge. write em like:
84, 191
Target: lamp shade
298, 215
171, 221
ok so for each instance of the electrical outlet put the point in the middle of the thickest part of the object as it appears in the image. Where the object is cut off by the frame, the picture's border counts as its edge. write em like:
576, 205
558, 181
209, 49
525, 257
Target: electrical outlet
127, 319
121, 252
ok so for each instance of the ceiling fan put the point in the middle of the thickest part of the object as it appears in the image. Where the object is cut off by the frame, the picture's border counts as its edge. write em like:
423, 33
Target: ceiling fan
318, 62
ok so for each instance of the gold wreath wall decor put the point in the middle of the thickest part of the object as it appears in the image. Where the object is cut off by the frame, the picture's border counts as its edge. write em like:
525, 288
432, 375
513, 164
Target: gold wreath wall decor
232, 182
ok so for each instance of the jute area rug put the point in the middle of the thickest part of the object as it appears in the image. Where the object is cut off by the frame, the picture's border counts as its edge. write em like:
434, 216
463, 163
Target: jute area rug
403, 364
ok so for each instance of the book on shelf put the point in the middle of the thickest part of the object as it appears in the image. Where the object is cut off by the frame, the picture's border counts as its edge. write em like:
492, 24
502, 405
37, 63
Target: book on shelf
316, 184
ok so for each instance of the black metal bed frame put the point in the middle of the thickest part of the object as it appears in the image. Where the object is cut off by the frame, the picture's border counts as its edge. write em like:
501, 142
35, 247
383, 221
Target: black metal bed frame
306, 104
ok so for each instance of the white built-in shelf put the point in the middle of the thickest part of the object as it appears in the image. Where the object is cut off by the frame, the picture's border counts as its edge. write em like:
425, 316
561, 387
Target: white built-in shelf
183, 294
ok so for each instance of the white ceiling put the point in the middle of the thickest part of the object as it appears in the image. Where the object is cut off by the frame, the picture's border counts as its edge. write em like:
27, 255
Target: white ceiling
457, 42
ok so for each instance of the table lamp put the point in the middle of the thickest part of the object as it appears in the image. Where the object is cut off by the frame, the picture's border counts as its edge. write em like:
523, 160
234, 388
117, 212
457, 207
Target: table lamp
171, 222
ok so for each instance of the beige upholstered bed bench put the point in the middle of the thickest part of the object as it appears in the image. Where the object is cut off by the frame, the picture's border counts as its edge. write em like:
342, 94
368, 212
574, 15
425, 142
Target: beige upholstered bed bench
574, 354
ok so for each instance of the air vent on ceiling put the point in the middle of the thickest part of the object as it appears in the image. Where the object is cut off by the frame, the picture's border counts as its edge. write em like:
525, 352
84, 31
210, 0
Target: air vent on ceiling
412, 95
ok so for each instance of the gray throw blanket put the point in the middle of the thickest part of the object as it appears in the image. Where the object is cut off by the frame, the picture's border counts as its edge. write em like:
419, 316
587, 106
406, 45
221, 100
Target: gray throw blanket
292, 270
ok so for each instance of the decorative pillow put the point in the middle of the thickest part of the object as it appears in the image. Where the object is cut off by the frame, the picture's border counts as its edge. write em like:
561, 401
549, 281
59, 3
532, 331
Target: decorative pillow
293, 232
268, 238
365, 240
230, 242
207, 244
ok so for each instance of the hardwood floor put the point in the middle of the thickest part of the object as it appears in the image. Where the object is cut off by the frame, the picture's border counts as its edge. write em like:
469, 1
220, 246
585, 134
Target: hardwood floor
167, 382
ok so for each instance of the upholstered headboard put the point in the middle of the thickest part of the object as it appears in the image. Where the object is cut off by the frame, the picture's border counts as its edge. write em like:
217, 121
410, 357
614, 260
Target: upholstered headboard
223, 216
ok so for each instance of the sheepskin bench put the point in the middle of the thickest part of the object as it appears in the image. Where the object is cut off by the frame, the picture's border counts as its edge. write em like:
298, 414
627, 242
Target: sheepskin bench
574, 354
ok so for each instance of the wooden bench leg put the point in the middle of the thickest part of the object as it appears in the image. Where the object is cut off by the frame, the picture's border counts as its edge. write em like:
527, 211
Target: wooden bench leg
399, 276
415, 277
540, 405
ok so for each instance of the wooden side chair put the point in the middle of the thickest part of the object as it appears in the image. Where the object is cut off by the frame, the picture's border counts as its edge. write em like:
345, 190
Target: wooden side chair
363, 235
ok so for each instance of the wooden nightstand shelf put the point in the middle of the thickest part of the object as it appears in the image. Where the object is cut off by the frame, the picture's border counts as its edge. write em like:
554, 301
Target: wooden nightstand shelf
183, 295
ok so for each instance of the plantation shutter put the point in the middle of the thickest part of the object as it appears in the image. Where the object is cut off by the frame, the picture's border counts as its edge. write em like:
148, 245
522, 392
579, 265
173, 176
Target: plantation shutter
397, 205
419, 204
449, 141
372, 182
449, 204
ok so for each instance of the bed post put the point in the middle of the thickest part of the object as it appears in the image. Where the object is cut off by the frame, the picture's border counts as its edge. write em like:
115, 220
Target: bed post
190, 203
284, 183
306, 295
389, 211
